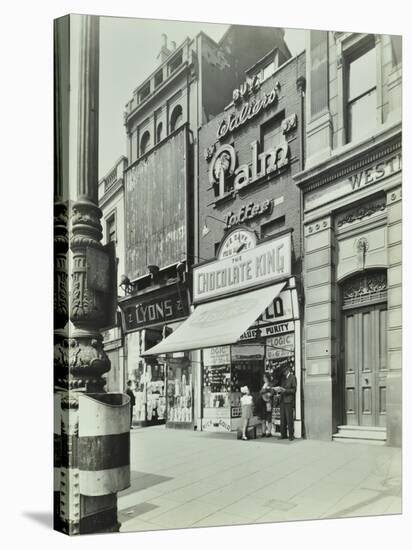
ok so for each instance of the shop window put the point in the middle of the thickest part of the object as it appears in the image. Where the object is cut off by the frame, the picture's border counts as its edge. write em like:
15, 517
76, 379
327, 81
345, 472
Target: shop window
361, 93
177, 118
396, 44
216, 381
179, 390
111, 228
145, 142
144, 92
158, 79
159, 132
154, 381
175, 62
318, 72
271, 132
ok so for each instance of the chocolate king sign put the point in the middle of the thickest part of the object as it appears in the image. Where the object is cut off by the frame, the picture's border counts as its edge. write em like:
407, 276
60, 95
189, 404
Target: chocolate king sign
250, 267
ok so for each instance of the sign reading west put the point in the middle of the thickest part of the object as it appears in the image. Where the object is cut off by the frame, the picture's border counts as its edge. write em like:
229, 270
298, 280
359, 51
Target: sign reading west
267, 262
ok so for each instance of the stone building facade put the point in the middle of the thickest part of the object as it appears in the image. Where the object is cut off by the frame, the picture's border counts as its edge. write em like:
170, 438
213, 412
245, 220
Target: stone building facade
352, 236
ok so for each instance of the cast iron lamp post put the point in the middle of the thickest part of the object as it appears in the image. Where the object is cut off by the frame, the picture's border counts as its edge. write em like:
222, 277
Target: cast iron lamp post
82, 505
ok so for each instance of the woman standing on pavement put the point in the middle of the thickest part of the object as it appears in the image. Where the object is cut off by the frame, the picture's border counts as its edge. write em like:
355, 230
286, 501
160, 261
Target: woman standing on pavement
267, 393
246, 402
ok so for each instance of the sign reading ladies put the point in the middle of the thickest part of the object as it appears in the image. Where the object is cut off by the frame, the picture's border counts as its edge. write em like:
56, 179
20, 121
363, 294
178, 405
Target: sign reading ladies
255, 266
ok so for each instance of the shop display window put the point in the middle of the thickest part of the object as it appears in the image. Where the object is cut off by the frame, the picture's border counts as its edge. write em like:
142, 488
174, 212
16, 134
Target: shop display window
155, 380
179, 390
155, 392
139, 379
216, 385
227, 368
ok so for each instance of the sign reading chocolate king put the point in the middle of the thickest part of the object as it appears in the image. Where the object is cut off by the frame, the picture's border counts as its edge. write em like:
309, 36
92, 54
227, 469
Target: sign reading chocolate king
250, 266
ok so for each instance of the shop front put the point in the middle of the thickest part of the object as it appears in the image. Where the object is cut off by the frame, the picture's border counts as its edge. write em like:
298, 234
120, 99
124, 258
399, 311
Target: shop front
162, 384
246, 323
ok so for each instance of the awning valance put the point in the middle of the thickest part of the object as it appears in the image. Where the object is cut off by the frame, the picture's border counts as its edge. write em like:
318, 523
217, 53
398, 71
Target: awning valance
218, 323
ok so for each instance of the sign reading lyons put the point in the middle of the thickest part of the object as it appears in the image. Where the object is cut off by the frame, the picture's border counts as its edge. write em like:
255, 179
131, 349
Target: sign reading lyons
267, 262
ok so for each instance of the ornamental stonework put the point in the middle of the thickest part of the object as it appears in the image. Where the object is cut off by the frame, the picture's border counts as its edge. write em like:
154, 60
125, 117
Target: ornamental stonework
364, 286
316, 226
360, 213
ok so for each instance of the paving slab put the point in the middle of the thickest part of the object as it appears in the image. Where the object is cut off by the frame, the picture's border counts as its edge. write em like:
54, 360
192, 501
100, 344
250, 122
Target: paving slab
182, 479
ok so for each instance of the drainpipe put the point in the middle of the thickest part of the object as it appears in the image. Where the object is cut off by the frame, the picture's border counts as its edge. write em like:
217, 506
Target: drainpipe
301, 88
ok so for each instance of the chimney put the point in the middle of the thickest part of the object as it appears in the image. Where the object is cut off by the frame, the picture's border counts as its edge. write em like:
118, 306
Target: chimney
164, 51
173, 45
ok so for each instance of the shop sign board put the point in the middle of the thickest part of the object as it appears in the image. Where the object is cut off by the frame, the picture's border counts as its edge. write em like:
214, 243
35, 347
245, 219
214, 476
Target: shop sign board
267, 262
251, 210
146, 311
216, 425
370, 175
250, 109
268, 330
223, 166
280, 346
218, 355
279, 310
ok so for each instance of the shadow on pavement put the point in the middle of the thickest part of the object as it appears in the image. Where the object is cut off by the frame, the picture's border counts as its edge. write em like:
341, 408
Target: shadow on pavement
42, 518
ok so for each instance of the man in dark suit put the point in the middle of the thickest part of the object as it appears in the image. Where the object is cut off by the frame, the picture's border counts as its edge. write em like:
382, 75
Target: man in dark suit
287, 400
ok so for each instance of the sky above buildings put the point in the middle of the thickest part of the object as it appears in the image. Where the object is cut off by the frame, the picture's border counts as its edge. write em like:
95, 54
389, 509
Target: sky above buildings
128, 55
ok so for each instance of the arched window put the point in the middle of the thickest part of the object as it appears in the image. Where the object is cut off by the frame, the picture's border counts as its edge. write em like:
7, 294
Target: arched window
159, 132
145, 143
176, 118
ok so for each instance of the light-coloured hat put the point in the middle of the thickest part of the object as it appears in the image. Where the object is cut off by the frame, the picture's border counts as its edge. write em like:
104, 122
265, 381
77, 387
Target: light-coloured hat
244, 389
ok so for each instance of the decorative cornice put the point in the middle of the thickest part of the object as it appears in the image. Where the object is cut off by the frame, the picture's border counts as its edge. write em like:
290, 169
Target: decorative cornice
360, 212
394, 195
111, 192
147, 102
318, 225
341, 166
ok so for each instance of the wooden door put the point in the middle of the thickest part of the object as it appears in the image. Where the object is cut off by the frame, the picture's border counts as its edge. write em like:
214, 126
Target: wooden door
365, 365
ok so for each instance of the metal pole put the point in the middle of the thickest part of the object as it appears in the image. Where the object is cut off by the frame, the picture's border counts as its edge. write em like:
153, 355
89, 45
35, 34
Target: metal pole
80, 360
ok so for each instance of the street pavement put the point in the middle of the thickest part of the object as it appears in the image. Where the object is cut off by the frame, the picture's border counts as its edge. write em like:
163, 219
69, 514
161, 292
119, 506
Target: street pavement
184, 478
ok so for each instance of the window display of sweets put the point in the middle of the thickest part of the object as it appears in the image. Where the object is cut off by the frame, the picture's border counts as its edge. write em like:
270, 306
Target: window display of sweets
156, 401
140, 407
179, 394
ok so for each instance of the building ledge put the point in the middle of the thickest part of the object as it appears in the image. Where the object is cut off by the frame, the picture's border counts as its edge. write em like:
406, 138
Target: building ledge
344, 159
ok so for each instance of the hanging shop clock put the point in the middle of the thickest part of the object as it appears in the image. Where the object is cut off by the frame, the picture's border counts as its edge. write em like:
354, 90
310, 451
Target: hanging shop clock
236, 242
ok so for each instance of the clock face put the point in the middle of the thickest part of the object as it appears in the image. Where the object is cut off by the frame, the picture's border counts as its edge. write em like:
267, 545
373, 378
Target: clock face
238, 241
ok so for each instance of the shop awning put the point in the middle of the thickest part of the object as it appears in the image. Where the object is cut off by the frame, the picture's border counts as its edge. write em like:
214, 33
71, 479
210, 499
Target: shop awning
218, 323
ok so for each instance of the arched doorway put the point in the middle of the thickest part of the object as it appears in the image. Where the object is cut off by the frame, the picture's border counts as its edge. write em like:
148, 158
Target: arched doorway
364, 347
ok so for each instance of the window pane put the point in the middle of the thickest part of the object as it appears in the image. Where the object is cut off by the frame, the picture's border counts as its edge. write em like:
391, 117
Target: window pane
362, 116
318, 71
272, 133
362, 74
396, 42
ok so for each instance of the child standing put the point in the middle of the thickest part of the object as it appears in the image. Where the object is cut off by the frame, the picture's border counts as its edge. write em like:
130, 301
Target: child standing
246, 402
